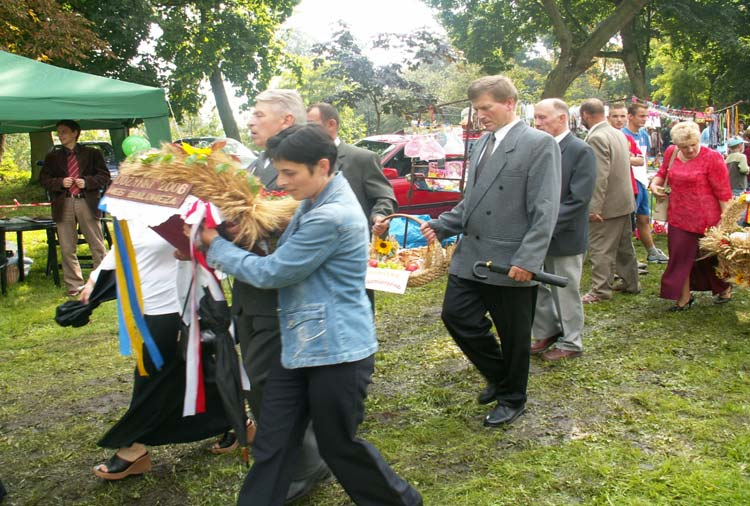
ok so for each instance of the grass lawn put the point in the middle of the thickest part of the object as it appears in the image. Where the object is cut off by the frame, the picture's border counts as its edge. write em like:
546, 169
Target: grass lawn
657, 410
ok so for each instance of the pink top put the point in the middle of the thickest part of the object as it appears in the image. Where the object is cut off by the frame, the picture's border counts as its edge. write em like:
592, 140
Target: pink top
697, 186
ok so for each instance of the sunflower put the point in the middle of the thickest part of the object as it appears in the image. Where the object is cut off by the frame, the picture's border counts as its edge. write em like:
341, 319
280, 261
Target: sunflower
383, 246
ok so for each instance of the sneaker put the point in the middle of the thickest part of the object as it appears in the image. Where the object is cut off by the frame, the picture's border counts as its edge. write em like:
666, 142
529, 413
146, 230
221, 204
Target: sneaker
658, 257
642, 266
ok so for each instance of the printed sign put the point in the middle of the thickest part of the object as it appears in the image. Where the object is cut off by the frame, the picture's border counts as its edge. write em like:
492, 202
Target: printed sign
386, 280
148, 191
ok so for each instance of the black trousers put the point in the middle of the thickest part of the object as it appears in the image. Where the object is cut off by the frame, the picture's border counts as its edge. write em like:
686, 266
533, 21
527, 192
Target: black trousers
333, 397
260, 344
506, 364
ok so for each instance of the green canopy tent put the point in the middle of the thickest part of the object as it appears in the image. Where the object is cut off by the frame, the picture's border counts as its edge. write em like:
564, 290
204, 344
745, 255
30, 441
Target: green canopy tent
35, 95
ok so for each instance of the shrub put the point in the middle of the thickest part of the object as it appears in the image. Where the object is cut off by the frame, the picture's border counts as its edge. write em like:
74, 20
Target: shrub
9, 171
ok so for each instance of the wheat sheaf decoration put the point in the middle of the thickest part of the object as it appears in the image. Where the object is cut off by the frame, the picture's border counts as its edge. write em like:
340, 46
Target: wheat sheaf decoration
218, 178
730, 242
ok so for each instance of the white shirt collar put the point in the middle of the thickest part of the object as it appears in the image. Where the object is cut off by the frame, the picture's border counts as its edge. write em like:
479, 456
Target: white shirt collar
561, 136
337, 141
501, 132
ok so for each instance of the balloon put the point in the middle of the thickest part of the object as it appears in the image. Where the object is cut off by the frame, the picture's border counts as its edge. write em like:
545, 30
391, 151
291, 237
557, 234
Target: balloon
134, 143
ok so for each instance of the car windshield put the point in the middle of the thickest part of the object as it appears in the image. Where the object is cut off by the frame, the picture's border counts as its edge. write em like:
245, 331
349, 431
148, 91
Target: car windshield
377, 147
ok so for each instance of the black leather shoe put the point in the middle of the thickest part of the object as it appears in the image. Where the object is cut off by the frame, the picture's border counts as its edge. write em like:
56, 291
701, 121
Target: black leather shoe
488, 394
300, 488
503, 415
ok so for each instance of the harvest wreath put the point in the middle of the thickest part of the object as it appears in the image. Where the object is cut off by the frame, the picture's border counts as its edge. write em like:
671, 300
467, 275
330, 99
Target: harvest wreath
730, 242
217, 178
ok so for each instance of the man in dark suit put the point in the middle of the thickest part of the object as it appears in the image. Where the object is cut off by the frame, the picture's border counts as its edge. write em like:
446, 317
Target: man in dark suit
75, 176
558, 322
255, 309
507, 216
361, 168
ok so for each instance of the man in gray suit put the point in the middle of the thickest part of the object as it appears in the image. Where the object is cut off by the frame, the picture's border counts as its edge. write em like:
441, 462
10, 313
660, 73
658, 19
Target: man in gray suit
361, 168
558, 322
255, 309
610, 231
507, 216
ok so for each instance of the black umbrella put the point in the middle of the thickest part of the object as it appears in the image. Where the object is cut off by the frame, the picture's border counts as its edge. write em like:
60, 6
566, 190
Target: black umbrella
75, 313
215, 319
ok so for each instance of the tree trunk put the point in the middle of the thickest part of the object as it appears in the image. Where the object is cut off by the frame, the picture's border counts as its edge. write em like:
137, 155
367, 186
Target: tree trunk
631, 57
222, 105
2, 146
41, 143
576, 56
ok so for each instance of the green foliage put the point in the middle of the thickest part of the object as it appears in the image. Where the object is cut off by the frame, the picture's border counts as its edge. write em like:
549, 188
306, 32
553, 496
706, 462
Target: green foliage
679, 84
492, 33
9, 171
195, 125
125, 25
235, 38
385, 88
46, 30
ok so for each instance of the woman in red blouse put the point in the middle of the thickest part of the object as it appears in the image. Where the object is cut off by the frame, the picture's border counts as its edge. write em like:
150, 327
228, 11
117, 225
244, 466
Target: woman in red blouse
700, 191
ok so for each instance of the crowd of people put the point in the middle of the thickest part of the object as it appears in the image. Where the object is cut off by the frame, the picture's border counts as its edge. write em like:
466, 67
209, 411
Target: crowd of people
536, 200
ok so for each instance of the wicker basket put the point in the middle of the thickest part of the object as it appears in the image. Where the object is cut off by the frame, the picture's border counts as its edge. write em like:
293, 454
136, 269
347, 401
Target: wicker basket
730, 242
434, 257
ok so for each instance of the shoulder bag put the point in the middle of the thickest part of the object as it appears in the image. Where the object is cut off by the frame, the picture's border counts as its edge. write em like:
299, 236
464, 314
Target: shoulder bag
660, 204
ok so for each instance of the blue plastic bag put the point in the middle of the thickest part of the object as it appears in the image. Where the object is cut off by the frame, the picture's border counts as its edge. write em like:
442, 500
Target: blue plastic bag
407, 233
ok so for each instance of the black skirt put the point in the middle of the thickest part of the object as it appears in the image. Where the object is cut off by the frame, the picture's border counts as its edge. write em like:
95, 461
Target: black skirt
155, 413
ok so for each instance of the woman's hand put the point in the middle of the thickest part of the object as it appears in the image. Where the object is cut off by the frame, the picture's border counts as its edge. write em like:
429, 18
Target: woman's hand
656, 187
207, 235
658, 191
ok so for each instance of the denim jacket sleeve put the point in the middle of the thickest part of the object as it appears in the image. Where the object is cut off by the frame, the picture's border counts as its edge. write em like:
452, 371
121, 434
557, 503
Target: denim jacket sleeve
304, 249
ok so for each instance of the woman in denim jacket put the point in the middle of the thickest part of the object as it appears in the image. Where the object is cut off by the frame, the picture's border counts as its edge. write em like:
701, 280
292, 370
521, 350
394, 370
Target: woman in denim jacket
327, 330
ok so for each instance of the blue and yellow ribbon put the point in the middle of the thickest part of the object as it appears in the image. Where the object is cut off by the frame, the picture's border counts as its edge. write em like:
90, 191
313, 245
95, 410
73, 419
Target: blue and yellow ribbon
134, 332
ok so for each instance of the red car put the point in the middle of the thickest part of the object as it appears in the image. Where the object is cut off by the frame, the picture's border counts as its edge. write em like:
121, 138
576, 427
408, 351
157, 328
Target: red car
421, 187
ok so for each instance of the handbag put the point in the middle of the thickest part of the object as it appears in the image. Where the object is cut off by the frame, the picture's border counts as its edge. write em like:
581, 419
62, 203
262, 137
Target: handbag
660, 205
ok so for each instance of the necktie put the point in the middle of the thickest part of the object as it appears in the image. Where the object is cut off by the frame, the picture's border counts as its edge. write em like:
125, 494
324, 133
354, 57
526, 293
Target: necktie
73, 172
488, 149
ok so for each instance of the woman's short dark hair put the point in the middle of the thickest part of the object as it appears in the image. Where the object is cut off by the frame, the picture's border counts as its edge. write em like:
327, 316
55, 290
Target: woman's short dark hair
306, 144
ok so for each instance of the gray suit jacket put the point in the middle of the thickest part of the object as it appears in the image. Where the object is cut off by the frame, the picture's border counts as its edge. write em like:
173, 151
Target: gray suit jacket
509, 214
365, 175
571, 235
613, 194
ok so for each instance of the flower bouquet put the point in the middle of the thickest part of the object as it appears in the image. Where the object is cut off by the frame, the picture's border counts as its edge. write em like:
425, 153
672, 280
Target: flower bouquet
217, 178
424, 263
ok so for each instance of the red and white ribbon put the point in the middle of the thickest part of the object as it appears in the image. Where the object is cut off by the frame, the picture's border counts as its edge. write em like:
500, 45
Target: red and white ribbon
203, 276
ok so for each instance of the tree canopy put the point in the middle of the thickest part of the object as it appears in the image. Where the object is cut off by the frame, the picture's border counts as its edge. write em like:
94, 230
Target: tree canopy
206, 40
48, 31
384, 89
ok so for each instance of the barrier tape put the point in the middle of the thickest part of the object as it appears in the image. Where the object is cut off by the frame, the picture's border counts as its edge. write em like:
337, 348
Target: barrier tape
16, 204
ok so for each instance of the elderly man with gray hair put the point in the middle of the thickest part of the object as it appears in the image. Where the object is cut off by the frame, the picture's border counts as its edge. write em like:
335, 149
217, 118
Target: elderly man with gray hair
558, 320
